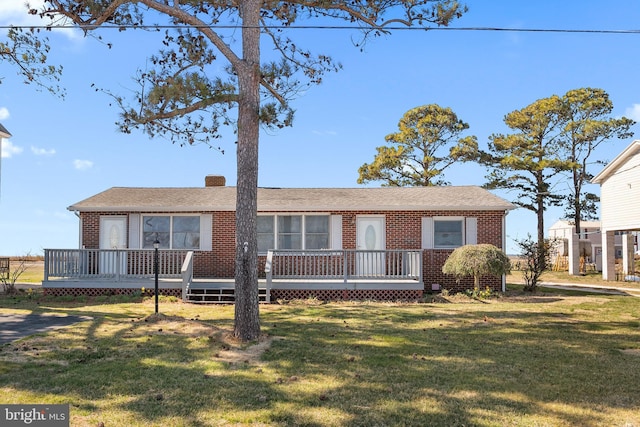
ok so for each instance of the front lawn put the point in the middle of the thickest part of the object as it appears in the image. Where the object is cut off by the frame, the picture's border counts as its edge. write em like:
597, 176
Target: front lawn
522, 360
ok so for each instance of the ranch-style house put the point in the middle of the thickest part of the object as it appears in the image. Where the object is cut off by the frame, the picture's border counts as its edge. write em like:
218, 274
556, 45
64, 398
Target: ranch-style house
329, 243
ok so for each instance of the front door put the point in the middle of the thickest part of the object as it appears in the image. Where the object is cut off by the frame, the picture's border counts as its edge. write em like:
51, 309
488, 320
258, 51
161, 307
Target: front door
113, 237
370, 239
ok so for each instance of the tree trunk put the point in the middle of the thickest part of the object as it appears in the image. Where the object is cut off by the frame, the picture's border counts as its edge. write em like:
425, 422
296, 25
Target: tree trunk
577, 208
247, 321
540, 214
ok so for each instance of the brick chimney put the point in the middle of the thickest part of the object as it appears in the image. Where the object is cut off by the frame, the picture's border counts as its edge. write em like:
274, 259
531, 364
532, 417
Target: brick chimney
214, 181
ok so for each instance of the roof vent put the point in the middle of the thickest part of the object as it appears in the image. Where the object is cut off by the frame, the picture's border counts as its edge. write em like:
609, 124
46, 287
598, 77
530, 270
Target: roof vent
214, 181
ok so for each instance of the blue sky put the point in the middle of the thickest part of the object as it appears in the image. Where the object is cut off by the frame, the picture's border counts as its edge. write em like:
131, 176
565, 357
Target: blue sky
63, 151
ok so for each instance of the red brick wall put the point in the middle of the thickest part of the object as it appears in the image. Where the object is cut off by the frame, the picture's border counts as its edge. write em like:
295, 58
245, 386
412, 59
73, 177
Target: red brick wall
91, 229
217, 263
403, 231
222, 260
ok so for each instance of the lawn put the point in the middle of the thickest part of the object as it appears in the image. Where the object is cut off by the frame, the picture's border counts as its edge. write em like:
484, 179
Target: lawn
32, 269
522, 360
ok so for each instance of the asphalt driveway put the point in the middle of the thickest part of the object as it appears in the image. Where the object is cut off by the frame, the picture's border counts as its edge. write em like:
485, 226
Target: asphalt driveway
16, 326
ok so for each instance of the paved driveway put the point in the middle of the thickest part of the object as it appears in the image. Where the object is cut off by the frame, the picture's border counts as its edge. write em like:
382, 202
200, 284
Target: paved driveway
16, 326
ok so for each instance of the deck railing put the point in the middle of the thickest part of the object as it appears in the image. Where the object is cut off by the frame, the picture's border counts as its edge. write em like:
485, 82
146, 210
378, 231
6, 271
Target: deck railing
347, 264
187, 274
112, 264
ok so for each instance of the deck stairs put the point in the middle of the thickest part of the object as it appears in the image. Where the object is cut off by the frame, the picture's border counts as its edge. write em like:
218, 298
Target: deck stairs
218, 291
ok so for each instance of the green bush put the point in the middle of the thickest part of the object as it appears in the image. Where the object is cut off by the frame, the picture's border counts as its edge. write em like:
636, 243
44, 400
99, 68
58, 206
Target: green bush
477, 261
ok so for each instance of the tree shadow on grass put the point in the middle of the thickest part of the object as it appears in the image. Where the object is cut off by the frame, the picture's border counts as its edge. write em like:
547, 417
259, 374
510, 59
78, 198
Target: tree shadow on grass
464, 368
342, 364
157, 368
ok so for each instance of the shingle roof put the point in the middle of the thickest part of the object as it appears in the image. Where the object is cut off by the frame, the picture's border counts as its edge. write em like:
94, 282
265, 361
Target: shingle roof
203, 199
4, 133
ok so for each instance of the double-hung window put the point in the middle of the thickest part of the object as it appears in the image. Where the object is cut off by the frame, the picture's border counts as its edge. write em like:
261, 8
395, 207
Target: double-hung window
316, 232
173, 232
293, 232
266, 233
289, 231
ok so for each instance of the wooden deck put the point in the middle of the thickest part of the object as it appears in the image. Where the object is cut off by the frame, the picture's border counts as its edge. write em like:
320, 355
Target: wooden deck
332, 272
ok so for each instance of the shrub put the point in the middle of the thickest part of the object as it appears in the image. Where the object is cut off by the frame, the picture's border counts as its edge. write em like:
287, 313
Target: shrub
476, 261
534, 258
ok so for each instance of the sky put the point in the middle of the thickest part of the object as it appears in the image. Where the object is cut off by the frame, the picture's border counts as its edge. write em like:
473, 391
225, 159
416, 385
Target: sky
65, 150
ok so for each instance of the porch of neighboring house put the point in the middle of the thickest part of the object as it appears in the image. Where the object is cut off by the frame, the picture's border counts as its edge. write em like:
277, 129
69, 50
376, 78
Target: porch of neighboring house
288, 274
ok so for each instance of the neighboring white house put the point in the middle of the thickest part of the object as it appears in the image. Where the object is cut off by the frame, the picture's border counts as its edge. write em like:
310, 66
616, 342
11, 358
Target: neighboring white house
619, 207
590, 241
4, 133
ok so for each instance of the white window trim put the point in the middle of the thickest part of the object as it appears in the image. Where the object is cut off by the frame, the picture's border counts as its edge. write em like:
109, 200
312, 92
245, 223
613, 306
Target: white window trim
471, 230
332, 226
428, 230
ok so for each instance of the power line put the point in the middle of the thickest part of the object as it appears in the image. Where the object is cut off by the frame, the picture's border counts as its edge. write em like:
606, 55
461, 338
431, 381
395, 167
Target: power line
327, 27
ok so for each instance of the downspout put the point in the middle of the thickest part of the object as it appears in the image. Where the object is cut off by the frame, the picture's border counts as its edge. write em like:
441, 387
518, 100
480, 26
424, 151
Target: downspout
76, 213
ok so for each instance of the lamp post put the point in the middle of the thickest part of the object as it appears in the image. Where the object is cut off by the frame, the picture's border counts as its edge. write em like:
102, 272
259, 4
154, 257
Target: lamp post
156, 245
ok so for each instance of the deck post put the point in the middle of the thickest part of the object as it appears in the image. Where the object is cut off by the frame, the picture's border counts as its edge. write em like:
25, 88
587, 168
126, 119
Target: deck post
345, 266
46, 265
186, 273
269, 274
421, 266
117, 265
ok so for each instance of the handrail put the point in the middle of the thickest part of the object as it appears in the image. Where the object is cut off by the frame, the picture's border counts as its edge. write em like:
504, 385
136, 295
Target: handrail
112, 264
187, 274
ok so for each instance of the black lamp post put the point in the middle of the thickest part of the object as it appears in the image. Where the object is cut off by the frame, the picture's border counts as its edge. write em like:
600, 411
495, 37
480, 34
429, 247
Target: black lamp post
156, 245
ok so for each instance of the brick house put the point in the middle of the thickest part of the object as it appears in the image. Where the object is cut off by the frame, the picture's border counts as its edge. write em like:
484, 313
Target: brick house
431, 221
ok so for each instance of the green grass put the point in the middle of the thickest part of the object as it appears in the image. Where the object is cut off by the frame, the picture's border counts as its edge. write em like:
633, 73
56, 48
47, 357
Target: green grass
589, 278
524, 360
33, 272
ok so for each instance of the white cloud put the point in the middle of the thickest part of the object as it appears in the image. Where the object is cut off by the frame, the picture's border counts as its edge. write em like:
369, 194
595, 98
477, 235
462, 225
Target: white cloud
4, 111
43, 151
633, 112
82, 164
8, 149
15, 12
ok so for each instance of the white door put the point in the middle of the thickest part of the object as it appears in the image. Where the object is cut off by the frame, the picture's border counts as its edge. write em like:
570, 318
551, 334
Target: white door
370, 238
113, 237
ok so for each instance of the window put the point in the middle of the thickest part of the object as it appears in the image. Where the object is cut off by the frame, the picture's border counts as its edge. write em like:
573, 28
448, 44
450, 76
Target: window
290, 232
186, 232
156, 227
447, 233
316, 232
293, 232
266, 233
173, 232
